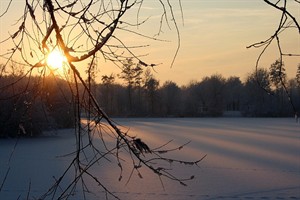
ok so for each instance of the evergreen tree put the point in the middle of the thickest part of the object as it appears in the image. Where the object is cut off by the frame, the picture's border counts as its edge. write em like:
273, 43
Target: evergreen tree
151, 85
298, 75
277, 74
131, 74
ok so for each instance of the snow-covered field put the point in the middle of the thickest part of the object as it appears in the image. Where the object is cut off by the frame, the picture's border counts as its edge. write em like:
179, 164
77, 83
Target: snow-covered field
247, 158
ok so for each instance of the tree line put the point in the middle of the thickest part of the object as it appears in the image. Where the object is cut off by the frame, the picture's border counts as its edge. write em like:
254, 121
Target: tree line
264, 93
39, 103
29, 105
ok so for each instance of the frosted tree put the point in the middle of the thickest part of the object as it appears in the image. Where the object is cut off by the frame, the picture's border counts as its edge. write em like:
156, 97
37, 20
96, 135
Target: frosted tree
288, 22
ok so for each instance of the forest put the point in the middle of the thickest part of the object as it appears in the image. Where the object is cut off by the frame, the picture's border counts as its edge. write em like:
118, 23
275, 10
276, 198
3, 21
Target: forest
30, 105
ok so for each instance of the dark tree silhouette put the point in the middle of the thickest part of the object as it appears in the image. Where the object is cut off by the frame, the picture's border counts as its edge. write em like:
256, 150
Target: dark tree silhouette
131, 74
277, 74
151, 86
288, 21
233, 93
171, 99
107, 90
298, 75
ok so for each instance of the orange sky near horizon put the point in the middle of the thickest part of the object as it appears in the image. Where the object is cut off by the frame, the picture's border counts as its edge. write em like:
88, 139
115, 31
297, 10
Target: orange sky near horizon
214, 36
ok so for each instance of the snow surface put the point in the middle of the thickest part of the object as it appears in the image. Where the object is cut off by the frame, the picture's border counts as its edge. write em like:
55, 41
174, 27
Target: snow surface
247, 158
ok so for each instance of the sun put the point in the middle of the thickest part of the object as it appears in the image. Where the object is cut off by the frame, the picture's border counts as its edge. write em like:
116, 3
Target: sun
56, 59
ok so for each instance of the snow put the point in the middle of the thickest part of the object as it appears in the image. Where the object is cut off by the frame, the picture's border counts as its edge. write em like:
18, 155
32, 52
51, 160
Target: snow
247, 158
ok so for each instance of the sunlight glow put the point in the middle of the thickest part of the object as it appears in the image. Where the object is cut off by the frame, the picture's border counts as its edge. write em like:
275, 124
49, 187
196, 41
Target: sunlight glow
56, 59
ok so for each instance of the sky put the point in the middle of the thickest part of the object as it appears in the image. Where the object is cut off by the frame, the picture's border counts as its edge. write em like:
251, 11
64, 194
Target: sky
214, 35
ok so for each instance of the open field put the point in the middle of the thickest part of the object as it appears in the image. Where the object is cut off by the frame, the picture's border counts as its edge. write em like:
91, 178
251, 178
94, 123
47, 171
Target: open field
247, 158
